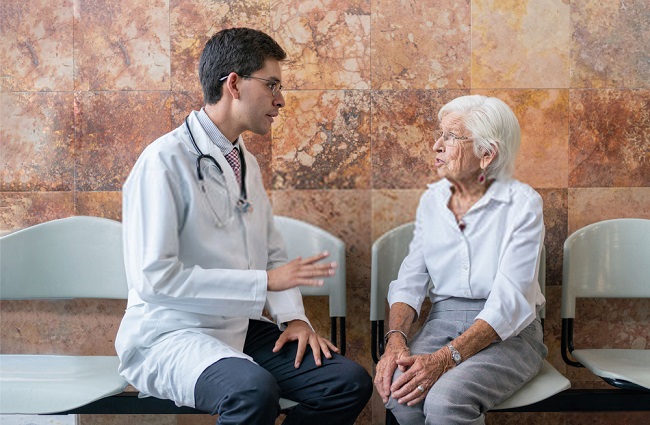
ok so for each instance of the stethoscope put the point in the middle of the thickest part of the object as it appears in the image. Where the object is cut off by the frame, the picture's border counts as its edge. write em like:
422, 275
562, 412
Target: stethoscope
242, 203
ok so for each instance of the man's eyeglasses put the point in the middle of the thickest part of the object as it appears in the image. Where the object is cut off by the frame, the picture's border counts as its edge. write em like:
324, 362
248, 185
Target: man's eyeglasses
450, 138
273, 85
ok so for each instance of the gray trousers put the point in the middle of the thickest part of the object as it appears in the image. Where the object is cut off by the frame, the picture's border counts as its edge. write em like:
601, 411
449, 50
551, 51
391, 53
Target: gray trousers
463, 394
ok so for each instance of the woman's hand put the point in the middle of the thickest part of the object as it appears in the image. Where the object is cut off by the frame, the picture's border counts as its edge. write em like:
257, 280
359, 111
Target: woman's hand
395, 350
297, 330
421, 372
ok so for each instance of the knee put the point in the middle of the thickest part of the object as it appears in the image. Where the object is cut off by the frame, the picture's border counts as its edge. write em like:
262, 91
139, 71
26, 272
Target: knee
446, 406
357, 381
259, 390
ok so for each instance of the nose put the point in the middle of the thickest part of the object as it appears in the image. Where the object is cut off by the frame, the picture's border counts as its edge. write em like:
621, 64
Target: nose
278, 100
438, 145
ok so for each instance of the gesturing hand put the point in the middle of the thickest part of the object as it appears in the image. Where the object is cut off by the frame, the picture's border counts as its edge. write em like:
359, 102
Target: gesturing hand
299, 272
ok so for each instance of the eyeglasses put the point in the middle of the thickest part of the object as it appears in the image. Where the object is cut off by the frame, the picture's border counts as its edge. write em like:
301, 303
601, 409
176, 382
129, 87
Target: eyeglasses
450, 138
273, 85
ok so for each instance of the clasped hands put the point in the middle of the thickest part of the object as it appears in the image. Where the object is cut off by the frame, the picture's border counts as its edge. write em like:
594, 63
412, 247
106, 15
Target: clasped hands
302, 272
420, 372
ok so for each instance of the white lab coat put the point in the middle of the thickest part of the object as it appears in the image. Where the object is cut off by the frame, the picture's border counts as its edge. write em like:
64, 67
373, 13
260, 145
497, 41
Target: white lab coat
196, 266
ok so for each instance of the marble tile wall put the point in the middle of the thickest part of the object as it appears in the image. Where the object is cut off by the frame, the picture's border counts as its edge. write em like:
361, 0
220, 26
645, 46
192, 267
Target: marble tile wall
85, 85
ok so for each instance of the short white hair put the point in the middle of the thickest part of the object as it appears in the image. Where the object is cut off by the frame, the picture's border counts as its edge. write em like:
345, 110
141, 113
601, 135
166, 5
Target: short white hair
494, 128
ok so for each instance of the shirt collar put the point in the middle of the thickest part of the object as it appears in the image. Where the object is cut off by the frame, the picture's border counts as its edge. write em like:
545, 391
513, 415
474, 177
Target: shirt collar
498, 191
215, 135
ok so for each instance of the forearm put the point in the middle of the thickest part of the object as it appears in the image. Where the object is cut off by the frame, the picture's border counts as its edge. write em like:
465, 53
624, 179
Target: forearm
474, 339
401, 318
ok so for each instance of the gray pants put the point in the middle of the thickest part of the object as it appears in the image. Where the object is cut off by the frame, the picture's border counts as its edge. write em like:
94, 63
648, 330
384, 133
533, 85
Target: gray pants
463, 394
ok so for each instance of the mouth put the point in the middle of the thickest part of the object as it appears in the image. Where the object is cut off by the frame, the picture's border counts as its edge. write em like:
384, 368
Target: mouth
439, 162
271, 118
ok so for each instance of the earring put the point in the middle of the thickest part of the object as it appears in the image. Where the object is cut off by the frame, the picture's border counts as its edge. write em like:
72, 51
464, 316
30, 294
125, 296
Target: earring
481, 177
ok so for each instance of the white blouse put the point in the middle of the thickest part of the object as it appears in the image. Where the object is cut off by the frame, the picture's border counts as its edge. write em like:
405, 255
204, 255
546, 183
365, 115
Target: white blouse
495, 256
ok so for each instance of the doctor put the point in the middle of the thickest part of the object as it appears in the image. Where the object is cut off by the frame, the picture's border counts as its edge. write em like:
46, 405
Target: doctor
203, 260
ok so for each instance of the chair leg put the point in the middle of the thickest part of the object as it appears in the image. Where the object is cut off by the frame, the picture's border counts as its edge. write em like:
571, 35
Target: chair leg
390, 419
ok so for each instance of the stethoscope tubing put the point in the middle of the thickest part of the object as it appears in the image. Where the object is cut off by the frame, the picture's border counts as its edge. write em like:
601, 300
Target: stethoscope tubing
242, 203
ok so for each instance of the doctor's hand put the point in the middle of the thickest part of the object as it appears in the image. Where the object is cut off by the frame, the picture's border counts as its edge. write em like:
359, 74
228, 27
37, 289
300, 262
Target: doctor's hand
300, 272
297, 330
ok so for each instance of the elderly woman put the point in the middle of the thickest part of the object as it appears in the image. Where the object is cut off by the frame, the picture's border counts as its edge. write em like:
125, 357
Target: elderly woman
477, 241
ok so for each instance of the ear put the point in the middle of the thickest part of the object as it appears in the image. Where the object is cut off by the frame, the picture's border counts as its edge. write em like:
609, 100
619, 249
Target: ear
231, 85
488, 157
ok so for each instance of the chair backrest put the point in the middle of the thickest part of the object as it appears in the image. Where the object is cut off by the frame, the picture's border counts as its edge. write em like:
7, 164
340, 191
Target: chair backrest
388, 252
305, 240
74, 257
608, 259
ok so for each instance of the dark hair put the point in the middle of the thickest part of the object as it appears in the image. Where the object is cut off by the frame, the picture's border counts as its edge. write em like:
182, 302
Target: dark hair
240, 50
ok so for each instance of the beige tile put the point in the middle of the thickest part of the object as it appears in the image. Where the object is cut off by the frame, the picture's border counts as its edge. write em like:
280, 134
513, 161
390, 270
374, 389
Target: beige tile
420, 44
520, 44
589, 205
100, 204
121, 45
327, 43
19, 210
193, 22
403, 123
36, 45
321, 141
543, 160
37, 136
610, 44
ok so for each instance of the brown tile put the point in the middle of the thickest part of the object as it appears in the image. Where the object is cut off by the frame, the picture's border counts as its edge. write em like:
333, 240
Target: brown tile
608, 46
417, 46
590, 205
607, 418
100, 204
36, 45
553, 328
259, 146
555, 221
609, 133
391, 208
543, 115
320, 141
195, 420
520, 44
519, 418
20, 210
121, 45
612, 323
37, 136
327, 43
402, 137
193, 22
113, 129
61, 326
132, 419
344, 213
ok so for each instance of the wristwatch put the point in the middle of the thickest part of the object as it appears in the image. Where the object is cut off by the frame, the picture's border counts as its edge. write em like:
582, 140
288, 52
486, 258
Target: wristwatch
455, 355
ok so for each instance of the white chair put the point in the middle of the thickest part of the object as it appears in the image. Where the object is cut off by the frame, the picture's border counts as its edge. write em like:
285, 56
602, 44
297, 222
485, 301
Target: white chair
387, 254
608, 259
76, 257
305, 240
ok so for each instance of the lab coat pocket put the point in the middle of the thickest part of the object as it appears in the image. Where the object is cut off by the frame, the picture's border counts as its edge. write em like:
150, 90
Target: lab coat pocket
217, 197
